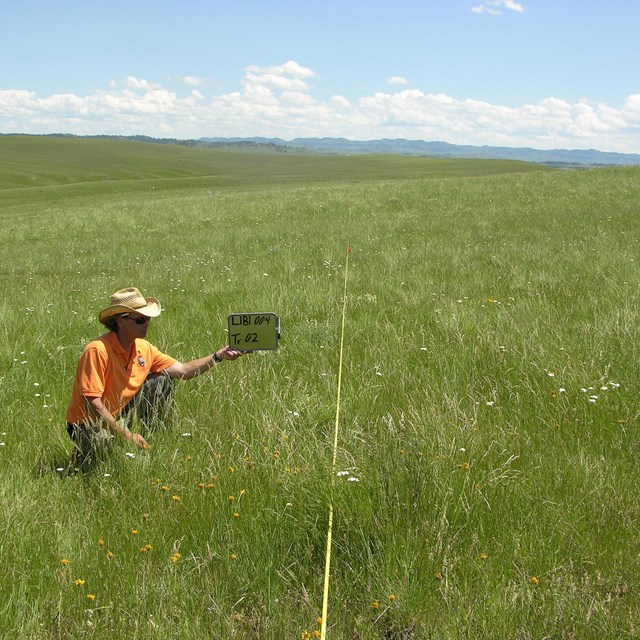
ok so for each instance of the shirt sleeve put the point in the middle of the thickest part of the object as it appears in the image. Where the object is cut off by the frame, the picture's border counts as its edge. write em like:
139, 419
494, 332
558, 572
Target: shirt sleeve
160, 361
92, 372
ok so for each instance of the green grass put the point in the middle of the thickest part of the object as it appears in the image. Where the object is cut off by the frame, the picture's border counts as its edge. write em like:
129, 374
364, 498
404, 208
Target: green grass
481, 301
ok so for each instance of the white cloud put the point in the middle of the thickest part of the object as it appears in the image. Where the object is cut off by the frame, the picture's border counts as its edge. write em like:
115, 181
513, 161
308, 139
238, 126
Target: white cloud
397, 80
493, 7
277, 101
194, 81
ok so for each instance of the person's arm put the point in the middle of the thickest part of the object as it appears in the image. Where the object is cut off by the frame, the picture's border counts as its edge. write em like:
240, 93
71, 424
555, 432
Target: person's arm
102, 413
188, 370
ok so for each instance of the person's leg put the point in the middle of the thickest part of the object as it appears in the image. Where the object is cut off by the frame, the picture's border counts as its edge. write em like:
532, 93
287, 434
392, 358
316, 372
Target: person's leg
152, 403
92, 445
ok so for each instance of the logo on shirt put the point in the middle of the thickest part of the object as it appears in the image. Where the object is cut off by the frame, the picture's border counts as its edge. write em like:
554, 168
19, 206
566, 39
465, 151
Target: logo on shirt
141, 361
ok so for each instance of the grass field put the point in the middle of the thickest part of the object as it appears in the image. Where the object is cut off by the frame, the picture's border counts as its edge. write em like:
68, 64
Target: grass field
488, 410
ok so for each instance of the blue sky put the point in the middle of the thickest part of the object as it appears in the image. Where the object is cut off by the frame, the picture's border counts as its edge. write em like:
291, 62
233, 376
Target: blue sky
540, 73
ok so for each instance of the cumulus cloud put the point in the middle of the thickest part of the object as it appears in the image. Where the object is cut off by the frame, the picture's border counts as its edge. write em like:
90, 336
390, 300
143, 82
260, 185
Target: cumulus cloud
277, 101
397, 80
194, 81
494, 7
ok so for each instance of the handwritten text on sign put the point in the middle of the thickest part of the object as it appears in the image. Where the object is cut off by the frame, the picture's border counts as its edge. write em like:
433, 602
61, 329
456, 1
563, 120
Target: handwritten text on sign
253, 331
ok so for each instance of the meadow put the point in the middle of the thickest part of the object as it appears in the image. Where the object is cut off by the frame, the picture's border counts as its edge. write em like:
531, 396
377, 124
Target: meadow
486, 478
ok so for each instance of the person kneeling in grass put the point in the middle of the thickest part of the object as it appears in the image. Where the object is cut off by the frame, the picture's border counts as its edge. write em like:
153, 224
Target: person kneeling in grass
121, 375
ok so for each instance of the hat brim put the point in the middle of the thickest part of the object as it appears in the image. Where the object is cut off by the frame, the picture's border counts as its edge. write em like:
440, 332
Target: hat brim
151, 310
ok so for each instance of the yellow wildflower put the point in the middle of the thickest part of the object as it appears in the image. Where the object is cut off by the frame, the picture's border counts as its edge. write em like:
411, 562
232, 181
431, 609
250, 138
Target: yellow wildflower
376, 604
64, 562
109, 554
534, 580
101, 543
233, 556
134, 532
316, 633
91, 596
79, 582
176, 498
392, 597
164, 487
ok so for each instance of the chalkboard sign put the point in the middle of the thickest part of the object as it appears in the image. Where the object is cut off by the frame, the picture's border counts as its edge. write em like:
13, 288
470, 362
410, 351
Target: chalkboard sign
253, 331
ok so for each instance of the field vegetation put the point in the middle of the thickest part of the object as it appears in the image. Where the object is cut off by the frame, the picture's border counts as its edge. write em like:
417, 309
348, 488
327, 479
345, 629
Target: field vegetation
486, 479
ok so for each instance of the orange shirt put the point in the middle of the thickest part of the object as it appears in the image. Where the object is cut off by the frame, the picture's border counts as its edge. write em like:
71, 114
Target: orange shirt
106, 371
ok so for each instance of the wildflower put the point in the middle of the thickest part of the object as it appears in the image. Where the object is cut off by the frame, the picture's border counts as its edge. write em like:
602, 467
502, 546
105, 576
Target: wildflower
232, 498
392, 597
101, 543
109, 554
233, 556
236, 515
376, 604
438, 575
176, 557
534, 580
79, 582
91, 596
176, 498
483, 556
200, 485
130, 455
353, 479
164, 487
464, 465
146, 548
316, 633
318, 620
64, 562
210, 485
134, 532
306, 635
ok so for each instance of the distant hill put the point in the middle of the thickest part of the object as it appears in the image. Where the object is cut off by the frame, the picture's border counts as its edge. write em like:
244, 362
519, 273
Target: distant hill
556, 157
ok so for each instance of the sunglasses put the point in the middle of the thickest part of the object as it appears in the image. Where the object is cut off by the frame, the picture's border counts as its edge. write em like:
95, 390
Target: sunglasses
140, 320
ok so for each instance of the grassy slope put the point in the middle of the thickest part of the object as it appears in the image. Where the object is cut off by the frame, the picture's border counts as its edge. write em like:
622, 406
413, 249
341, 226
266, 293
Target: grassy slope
43, 161
478, 309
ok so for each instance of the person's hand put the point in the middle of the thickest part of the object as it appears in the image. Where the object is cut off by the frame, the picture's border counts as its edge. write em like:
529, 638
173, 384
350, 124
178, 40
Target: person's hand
227, 353
139, 441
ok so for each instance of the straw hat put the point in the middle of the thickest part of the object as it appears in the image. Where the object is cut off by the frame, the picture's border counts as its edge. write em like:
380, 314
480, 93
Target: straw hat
127, 300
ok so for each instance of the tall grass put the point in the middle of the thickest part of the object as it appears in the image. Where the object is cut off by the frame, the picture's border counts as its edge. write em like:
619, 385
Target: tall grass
496, 495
